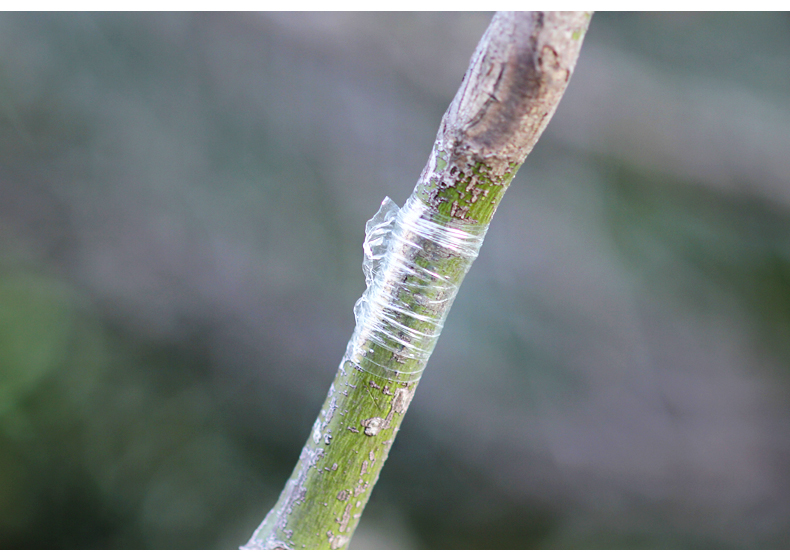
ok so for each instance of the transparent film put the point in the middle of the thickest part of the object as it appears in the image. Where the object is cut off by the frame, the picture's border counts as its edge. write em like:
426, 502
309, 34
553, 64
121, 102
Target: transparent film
415, 260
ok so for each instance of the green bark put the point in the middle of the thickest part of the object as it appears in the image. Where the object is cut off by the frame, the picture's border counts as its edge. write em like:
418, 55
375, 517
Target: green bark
515, 81
322, 502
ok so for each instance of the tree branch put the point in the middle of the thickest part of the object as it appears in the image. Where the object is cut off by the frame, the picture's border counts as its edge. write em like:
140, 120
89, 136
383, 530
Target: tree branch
514, 83
415, 261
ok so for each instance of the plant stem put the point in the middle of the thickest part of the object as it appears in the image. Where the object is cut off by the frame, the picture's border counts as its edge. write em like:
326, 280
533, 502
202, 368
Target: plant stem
514, 83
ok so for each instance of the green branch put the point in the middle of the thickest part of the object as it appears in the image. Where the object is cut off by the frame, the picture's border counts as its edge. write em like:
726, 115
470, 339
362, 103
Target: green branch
417, 259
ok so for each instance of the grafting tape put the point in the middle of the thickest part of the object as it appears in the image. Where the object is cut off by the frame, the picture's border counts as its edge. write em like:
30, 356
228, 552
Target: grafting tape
415, 260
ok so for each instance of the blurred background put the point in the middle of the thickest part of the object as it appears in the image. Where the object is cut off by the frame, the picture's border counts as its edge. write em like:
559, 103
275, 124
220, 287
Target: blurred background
182, 208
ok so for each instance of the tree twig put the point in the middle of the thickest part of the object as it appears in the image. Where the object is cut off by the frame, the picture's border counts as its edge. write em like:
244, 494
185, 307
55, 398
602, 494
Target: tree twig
417, 258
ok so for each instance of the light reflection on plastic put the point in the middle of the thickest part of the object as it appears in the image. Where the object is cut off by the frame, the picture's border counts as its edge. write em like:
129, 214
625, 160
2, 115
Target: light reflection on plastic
414, 263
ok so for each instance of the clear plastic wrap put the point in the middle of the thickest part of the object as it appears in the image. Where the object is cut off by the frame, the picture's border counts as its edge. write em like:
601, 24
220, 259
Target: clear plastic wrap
415, 260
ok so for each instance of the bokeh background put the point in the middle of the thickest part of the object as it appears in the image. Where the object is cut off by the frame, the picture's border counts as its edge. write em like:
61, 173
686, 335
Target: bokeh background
182, 207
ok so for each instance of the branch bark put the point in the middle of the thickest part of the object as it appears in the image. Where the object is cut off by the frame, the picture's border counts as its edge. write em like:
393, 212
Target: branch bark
514, 83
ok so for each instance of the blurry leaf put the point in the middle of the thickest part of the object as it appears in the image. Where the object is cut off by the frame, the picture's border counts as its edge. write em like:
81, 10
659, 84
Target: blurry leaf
34, 330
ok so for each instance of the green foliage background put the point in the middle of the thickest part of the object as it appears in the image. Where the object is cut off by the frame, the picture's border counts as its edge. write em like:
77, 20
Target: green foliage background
182, 203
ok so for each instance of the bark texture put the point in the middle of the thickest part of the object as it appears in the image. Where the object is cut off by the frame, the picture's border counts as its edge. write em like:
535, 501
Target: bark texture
514, 83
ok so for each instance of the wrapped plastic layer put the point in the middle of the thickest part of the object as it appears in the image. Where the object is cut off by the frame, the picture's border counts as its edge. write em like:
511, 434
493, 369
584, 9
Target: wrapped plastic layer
415, 260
